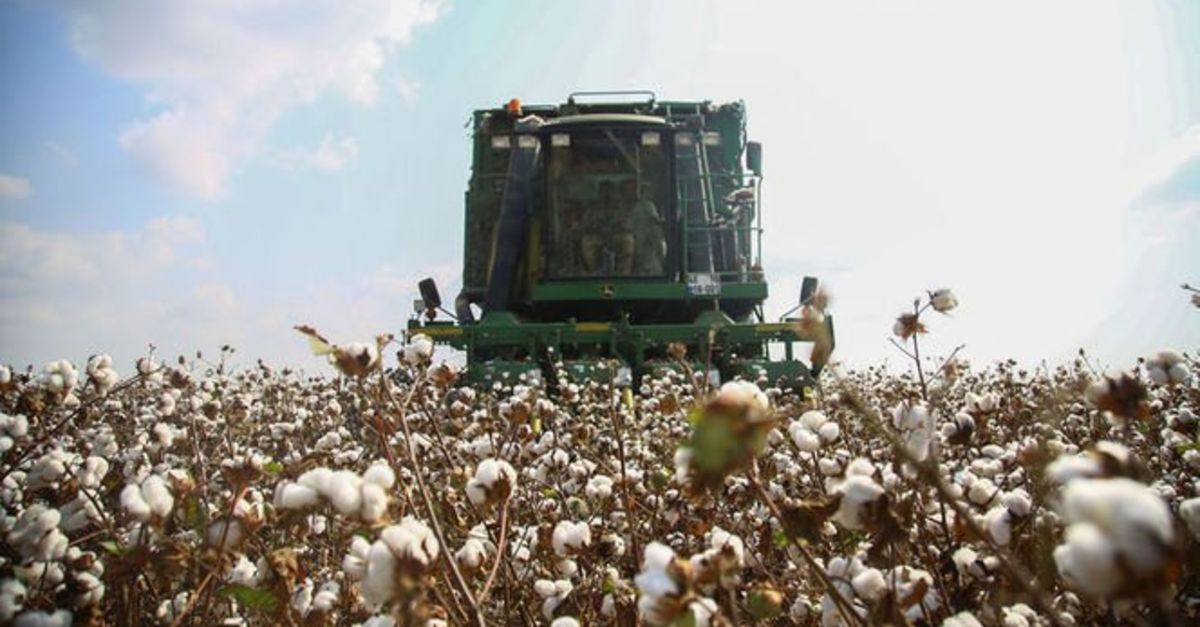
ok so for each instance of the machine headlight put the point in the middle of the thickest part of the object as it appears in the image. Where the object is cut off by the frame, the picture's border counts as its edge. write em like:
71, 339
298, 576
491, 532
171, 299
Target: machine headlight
560, 140
651, 138
684, 139
712, 138
501, 142
526, 141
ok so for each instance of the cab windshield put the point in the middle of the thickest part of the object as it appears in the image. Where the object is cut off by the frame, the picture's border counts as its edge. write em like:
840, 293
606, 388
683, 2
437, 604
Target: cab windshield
607, 194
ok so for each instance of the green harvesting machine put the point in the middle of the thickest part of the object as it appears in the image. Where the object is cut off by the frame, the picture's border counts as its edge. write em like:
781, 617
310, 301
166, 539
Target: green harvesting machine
613, 235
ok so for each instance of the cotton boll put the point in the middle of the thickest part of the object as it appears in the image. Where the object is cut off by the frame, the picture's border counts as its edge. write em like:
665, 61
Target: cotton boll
47, 470
326, 598
569, 537
59, 377
564, 621
1189, 510
721, 540
544, 588
1018, 502
968, 564
856, 492
243, 572
829, 432
166, 404
58, 618
91, 589
12, 598
381, 475
1168, 368
374, 502
92, 472
158, 496
962, 619
703, 611
472, 554
982, 492
943, 300
419, 350
869, 584
295, 496
998, 521
653, 580
412, 542
1088, 561
379, 577
599, 487
829, 467
493, 481
344, 491
355, 562
805, 439
1132, 517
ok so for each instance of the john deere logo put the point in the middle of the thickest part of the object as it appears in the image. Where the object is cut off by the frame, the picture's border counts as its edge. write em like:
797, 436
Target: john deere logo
607, 290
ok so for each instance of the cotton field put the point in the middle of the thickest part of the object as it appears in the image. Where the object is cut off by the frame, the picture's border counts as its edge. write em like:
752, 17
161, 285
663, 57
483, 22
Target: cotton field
186, 492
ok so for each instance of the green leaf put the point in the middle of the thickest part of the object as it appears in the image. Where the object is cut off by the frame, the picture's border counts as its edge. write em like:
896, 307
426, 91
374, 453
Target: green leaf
273, 468
111, 546
688, 619
714, 444
193, 515
780, 538
763, 604
252, 598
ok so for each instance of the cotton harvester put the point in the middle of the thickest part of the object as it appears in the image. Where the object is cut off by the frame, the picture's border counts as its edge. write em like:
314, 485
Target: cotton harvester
607, 240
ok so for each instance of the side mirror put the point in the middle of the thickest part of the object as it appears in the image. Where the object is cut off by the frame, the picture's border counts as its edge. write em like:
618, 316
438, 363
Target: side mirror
807, 289
754, 157
429, 293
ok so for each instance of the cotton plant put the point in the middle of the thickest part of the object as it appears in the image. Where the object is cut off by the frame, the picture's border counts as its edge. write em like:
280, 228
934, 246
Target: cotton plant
293, 491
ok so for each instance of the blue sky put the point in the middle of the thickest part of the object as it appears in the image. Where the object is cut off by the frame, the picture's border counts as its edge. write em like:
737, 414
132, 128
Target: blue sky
202, 173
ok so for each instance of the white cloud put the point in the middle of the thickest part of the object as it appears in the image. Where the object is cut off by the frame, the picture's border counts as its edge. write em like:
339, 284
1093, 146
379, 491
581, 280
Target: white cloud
65, 156
67, 295
70, 293
220, 73
29, 256
331, 155
14, 187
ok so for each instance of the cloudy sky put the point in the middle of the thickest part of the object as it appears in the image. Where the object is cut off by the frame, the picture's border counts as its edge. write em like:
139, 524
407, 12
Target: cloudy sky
196, 173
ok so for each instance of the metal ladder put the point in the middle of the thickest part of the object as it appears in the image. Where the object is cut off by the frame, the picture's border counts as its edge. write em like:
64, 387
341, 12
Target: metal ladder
691, 165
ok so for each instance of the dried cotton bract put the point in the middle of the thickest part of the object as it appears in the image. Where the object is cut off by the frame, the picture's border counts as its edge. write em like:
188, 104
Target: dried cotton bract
354, 359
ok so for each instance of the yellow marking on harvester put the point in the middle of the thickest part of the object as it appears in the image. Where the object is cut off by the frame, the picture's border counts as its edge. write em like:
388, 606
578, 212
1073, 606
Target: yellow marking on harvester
771, 327
592, 327
442, 331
